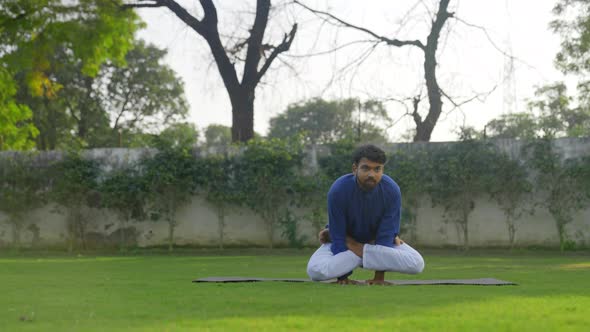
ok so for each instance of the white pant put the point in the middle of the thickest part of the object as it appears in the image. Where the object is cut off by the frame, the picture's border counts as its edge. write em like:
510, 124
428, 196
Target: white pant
324, 265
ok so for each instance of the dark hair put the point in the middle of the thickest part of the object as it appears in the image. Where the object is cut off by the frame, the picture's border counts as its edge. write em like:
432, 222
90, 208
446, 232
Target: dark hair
370, 152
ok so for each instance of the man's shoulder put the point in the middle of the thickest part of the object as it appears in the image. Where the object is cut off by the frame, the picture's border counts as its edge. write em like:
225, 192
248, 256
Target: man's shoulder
343, 184
389, 184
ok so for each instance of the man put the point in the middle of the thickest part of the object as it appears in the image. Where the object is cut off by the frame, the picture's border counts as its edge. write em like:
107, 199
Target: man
364, 210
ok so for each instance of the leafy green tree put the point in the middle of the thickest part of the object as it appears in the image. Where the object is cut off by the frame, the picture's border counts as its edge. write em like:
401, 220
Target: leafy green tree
562, 115
124, 191
339, 162
560, 185
513, 125
460, 174
143, 94
178, 136
22, 186
558, 114
329, 121
75, 189
268, 173
170, 181
111, 108
32, 31
16, 130
572, 23
217, 136
321, 121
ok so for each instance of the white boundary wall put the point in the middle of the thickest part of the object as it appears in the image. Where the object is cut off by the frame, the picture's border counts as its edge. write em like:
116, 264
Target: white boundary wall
198, 224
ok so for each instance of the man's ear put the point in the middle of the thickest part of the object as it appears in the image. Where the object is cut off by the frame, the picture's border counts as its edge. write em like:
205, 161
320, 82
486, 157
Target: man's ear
354, 167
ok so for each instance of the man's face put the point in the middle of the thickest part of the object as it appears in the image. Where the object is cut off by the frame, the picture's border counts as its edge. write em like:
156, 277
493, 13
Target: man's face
368, 173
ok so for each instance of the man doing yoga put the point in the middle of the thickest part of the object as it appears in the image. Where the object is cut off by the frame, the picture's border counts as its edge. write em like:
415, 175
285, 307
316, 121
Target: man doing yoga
364, 210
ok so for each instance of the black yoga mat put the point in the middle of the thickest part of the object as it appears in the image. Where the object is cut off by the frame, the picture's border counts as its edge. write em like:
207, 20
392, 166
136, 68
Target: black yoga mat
480, 281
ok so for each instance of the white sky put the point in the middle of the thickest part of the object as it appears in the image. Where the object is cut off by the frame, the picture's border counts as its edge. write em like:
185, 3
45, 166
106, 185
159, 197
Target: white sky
468, 63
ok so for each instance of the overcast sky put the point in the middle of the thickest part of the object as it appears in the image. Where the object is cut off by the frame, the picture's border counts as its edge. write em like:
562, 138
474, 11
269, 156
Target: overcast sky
470, 63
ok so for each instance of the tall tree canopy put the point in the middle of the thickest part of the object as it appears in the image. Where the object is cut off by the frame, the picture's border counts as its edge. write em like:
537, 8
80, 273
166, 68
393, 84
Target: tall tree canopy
324, 121
120, 101
572, 23
560, 114
92, 31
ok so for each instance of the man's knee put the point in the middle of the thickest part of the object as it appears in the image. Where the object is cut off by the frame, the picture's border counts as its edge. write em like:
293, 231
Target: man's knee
326, 270
318, 272
418, 265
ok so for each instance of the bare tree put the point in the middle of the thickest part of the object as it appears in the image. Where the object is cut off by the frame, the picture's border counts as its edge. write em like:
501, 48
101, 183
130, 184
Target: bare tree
241, 93
424, 126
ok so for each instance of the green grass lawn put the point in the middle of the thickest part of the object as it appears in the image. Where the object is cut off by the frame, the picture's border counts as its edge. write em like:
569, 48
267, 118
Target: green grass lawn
153, 292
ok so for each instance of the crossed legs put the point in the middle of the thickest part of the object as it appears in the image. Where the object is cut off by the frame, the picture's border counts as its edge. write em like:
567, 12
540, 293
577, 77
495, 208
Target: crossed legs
323, 265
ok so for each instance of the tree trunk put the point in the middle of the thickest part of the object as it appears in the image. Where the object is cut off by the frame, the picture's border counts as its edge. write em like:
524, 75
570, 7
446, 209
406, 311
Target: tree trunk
511, 231
71, 232
270, 229
424, 128
170, 236
561, 233
51, 127
122, 235
221, 219
16, 230
465, 225
243, 115
242, 108
82, 229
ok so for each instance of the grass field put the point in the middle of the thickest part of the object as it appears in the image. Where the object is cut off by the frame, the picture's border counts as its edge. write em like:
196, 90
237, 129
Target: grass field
148, 291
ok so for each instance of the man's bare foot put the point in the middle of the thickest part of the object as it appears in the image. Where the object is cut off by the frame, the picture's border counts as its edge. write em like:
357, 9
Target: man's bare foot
377, 282
354, 246
398, 241
378, 279
347, 282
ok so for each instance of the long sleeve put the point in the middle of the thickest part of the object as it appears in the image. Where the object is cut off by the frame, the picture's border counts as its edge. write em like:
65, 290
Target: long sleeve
337, 222
389, 226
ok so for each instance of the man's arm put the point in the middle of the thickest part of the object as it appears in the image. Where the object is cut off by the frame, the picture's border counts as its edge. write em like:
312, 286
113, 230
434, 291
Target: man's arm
336, 222
389, 226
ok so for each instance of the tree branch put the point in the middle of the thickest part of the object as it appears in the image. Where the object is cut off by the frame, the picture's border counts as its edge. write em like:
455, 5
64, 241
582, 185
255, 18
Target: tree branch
254, 52
337, 48
388, 41
468, 100
283, 47
116, 125
143, 4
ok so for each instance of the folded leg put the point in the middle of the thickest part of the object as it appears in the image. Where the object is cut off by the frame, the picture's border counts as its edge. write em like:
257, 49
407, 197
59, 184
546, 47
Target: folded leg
324, 265
401, 258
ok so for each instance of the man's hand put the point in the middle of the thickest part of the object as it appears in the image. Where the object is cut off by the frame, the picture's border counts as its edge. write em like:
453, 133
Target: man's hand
354, 246
398, 241
324, 236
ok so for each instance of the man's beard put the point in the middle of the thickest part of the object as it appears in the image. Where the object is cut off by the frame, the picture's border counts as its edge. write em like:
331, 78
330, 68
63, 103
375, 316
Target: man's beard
368, 184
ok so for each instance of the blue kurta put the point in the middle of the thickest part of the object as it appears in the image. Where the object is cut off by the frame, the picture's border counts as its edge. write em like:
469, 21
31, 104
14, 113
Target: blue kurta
364, 215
